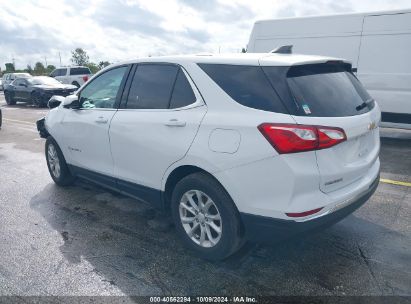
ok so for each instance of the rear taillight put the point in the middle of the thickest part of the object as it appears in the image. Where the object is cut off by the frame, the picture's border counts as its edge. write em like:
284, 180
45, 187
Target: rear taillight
293, 138
85, 78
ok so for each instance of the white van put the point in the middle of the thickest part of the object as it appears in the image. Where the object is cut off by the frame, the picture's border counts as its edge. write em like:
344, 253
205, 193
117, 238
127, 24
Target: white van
377, 44
75, 75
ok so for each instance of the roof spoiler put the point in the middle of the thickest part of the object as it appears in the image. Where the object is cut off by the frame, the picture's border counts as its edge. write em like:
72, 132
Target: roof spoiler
284, 49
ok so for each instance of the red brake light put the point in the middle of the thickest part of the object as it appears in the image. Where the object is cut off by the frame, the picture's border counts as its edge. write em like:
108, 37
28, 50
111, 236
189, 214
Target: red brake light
85, 78
329, 137
293, 138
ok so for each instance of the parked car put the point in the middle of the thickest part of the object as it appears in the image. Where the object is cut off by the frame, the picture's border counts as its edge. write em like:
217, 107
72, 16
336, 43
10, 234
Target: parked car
234, 147
10, 77
76, 75
377, 43
36, 90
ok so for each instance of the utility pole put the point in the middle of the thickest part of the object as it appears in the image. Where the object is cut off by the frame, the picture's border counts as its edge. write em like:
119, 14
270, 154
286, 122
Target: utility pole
14, 62
45, 59
60, 58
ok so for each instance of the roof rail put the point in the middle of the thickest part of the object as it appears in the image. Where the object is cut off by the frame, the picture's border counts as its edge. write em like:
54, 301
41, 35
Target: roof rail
284, 49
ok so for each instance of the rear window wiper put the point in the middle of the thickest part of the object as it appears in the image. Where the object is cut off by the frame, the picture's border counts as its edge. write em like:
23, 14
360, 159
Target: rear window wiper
364, 104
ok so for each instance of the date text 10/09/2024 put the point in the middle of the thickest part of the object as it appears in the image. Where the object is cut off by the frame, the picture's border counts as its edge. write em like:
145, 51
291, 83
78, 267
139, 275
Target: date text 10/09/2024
200, 299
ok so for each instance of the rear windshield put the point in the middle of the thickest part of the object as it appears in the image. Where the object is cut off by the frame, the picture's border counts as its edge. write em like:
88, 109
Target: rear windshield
80, 71
247, 85
323, 90
320, 90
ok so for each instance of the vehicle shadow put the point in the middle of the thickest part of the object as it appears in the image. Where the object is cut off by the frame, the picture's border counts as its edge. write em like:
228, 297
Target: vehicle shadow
131, 248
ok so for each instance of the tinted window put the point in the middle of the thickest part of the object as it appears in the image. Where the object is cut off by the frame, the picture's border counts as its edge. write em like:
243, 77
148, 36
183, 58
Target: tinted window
151, 87
102, 91
60, 72
327, 90
17, 82
183, 94
247, 85
80, 71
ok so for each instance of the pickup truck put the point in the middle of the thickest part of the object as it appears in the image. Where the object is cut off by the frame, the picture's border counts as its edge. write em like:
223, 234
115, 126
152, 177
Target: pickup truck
75, 75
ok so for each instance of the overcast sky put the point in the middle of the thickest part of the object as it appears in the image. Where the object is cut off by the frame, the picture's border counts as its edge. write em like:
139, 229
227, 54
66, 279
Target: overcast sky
116, 30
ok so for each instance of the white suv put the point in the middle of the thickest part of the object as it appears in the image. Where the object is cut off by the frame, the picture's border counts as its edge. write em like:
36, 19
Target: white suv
75, 75
238, 147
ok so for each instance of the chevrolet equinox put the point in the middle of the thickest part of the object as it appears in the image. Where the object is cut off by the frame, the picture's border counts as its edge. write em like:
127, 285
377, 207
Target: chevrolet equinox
233, 147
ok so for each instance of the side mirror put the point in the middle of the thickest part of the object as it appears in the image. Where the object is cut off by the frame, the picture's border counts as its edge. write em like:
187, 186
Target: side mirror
71, 102
55, 101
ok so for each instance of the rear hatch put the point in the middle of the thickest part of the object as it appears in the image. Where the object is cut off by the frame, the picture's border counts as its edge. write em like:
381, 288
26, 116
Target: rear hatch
328, 94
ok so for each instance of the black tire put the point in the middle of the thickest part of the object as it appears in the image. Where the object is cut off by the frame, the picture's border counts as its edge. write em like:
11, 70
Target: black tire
75, 83
231, 237
9, 98
36, 100
64, 178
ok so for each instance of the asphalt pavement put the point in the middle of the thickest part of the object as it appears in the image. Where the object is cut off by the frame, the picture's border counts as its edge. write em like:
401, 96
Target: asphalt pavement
84, 240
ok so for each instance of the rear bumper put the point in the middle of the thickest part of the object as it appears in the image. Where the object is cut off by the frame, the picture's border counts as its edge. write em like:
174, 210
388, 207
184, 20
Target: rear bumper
266, 229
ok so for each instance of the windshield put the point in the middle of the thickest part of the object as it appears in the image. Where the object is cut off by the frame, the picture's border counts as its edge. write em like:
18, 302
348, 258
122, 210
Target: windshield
44, 80
22, 75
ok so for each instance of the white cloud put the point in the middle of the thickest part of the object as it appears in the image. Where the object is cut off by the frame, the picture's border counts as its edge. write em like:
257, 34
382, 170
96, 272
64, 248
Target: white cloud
116, 30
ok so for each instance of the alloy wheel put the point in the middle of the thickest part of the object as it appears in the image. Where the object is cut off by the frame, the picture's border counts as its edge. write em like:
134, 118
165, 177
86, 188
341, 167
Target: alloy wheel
200, 218
53, 160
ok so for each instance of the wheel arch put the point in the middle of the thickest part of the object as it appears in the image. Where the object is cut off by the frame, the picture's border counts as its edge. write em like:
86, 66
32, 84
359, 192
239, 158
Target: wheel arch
177, 174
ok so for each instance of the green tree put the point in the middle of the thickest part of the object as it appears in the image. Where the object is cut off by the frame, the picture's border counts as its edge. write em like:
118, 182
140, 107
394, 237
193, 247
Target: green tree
39, 69
50, 68
79, 57
29, 69
10, 67
103, 64
93, 67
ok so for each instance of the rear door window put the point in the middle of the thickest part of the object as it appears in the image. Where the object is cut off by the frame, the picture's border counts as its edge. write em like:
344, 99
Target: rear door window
247, 85
152, 86
183, 94
322, 90
80, 71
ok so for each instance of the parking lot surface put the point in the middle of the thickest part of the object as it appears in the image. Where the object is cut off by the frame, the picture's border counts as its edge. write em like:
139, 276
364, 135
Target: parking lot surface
84, 240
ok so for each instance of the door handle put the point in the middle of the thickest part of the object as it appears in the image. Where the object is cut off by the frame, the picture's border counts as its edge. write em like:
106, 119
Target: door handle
101, 120
175, 123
